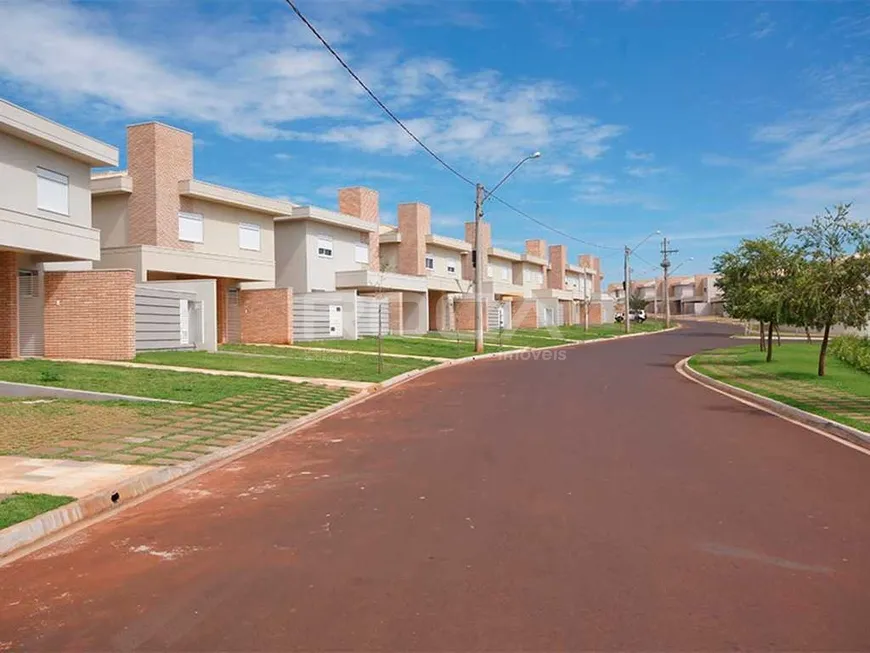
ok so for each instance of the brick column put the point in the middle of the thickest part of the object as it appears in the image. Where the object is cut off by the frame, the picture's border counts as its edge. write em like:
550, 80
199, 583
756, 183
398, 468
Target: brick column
396, 313
90, 314
267, 316
595, 313
415, 221
362, 203
558, 259
594, 262
8, 305
536, 248
483, 254
463, 311
221, 289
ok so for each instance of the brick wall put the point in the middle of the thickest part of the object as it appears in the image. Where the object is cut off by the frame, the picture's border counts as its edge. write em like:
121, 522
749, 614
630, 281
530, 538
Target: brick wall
267, 316
536, 248
568, 317
397, 307
483, 254
415, 220
222, 286
558, 259
595, 313
8, 305
90, 314
463, 314
524, 314
363, 203
158, 157
590, 261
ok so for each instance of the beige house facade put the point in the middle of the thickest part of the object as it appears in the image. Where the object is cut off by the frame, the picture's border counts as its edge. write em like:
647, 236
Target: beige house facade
52, 303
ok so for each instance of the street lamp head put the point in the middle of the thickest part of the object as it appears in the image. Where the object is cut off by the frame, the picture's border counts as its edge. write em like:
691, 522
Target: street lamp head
658, 232
535, 155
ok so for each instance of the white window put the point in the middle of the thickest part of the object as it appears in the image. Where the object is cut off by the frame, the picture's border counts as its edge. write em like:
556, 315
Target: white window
190, 227
430, 262
451, 267
489, 271
28, 283
324, 247
361, 253
52, 191
249, 236
505, 274
527, 276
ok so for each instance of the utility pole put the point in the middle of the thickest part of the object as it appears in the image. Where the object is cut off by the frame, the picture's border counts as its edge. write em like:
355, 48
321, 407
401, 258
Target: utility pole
478, 272
626, 318
585, 303
666, 264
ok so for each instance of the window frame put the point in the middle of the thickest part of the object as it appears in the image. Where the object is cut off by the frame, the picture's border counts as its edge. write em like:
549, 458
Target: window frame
251, 227
324, 244
361, 247
429, 262
52, 177
194, 217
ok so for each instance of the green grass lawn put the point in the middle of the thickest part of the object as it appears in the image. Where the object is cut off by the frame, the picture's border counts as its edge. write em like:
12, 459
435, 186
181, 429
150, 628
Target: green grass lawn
20, 507
290, 362
449, 348
159, 384
843, 394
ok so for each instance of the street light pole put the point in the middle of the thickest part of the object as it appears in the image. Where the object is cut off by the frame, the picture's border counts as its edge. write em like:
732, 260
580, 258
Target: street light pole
478, 272
481, 196
626, 318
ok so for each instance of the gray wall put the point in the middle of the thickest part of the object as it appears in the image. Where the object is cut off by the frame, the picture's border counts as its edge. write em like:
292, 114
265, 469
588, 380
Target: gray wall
158, 318
311, 315
367, 316
205, 291
297, 264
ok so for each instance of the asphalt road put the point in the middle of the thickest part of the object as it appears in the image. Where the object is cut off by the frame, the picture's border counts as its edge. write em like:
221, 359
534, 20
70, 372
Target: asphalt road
597, 502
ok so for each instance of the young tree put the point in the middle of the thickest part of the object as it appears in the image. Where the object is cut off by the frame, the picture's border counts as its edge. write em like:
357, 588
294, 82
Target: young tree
755, 281
835, 281
636, 302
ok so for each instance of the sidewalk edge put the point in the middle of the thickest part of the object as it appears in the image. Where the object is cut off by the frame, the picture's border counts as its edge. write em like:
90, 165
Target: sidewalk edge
842, 433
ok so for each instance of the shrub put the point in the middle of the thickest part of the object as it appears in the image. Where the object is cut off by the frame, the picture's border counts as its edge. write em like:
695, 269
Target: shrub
853, 350
49, 376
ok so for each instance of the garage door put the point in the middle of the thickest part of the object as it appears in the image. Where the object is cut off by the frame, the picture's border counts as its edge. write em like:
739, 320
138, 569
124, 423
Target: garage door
234, 316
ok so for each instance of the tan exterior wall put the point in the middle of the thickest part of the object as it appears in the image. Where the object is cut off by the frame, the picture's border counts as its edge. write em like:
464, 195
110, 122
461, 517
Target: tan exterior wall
390, 257
110, 216
524, 314
18, 162
502, 270
415, 220
8, 305
558, 259
90, 314
220, 230
158, 157
362, 203
590, 261
267, 316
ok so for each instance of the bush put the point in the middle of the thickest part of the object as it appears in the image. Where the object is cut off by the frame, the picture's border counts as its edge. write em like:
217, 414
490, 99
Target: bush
853, 350
49, 376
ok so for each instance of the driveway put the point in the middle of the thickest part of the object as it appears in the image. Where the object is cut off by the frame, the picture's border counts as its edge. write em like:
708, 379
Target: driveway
595, 502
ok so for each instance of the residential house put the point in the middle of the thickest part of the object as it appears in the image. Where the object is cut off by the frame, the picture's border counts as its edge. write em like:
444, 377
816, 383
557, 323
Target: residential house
183, 235
343, 285
687, 295
52, 303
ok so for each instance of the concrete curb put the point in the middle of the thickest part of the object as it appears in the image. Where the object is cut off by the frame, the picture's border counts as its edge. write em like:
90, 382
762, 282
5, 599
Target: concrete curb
836, 430
22, 539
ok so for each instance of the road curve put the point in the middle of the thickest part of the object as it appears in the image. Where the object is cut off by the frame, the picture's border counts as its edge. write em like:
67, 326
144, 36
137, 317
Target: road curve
596, 502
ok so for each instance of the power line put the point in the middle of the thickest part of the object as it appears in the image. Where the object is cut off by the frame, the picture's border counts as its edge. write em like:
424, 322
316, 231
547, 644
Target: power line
546, 226
375, 97
404, 128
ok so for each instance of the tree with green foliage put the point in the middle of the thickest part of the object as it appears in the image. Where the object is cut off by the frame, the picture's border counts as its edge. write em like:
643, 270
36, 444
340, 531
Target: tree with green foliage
755, 281
833, 283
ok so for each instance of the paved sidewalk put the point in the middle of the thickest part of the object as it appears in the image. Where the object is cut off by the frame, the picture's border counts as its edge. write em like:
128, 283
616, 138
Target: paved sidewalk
71, 478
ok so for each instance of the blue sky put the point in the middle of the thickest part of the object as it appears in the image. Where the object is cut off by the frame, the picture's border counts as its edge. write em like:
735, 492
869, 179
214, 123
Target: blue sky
705, 120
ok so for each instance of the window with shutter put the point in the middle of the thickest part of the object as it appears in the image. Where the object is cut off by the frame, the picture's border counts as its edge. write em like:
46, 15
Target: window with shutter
190, 227
249, 237
52, 191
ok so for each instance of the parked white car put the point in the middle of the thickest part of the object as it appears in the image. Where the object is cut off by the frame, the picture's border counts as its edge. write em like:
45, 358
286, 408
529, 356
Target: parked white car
634, 316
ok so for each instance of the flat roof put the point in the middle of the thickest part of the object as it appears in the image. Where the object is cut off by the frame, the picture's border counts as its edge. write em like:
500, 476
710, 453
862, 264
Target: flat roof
46, 133
325, 216
497, 252
231, 197
448, 243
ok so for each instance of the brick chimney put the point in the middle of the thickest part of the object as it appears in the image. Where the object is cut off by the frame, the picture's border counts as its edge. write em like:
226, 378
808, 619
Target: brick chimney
482, 254
158, 157
594, 262
558, 258
362, 203
415, 221
536, 248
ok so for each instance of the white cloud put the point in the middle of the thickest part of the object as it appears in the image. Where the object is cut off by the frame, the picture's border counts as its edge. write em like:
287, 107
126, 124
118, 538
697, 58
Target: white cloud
283, 156
643, 172
603, 190
633, 155
441, 220
763, 26
273, 81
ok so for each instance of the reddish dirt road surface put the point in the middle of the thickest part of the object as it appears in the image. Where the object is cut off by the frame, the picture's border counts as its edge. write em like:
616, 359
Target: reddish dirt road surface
596, 502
